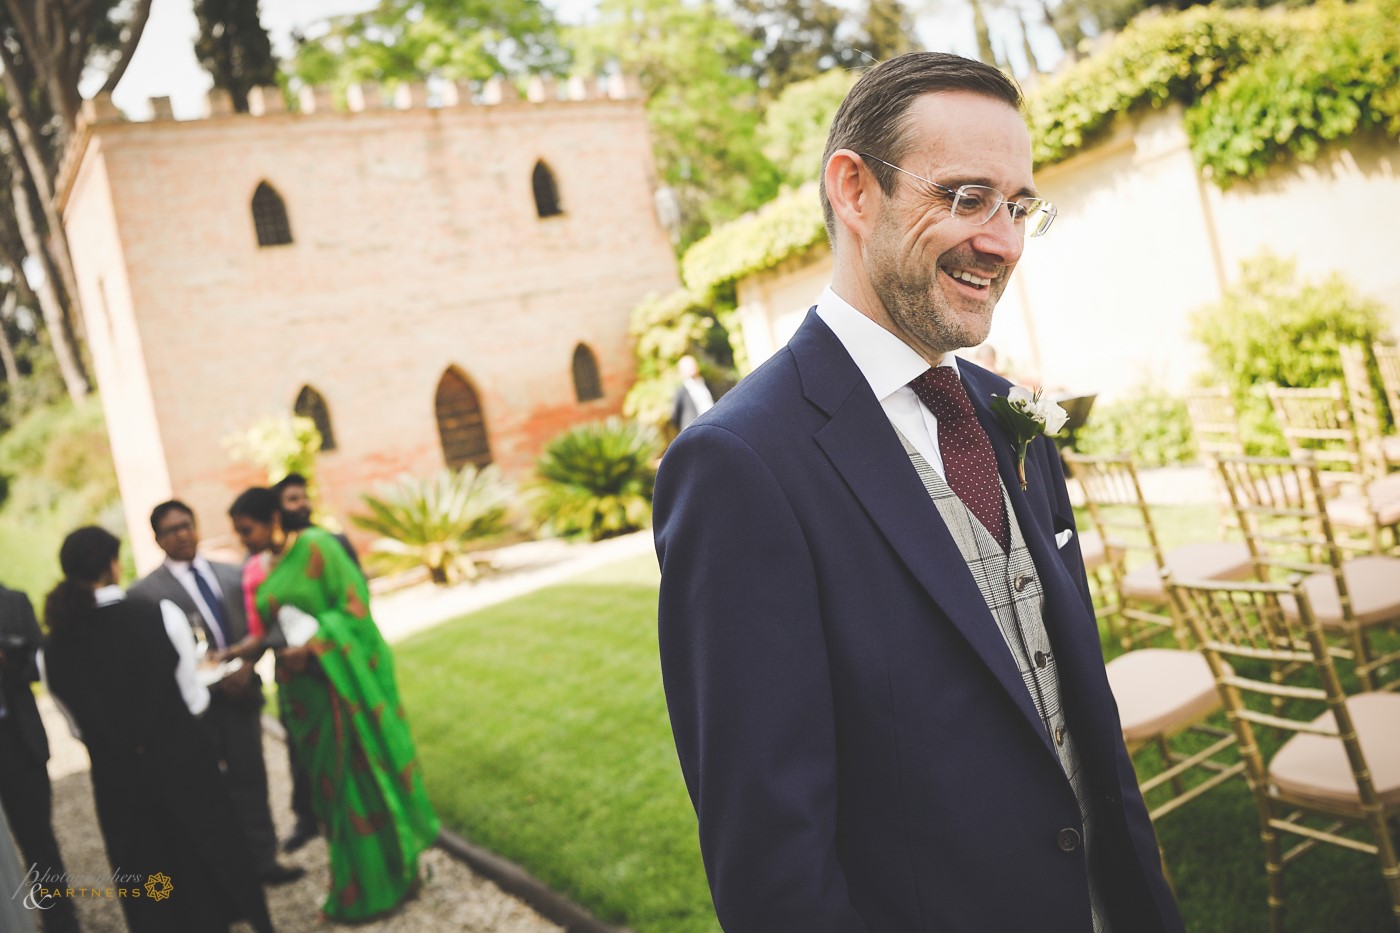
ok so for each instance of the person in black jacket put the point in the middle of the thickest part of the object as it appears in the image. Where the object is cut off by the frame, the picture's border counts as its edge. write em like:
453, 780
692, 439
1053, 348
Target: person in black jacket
124, 673
25, 791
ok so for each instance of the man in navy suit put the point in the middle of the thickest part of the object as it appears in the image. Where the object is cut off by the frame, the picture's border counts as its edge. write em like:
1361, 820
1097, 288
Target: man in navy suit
880, 658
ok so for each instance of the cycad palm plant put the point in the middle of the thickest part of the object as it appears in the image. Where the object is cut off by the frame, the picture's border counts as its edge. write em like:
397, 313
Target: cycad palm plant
434, 522
595, 481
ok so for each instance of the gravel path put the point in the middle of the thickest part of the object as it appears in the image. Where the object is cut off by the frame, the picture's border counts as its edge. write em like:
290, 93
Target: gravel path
453, 898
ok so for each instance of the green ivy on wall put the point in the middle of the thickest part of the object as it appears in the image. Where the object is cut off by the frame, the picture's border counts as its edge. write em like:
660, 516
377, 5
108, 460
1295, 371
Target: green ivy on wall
1338, 76
784, 226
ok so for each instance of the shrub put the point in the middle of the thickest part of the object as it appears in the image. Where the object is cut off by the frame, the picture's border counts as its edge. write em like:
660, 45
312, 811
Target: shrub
1150, 424
58, 462
1270, 327
435, 522
666, 328
278, 445
595, 480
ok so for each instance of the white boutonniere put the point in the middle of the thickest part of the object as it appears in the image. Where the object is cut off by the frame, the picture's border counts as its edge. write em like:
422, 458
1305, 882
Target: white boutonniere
1026, 415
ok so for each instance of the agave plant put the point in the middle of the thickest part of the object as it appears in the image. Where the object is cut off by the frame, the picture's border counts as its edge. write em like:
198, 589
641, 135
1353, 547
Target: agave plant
435, 522
595, 481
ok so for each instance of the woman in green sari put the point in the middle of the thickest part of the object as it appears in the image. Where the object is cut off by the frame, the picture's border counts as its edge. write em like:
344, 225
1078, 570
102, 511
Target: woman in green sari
341, 706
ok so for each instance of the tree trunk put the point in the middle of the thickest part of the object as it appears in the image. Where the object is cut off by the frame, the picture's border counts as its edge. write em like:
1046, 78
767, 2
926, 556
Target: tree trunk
70, 365
21, 128
984, 34
7, 350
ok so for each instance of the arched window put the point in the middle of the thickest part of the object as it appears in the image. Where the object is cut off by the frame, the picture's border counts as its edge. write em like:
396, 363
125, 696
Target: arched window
587, 384
270, 217
461, 424
546, 191
310, 404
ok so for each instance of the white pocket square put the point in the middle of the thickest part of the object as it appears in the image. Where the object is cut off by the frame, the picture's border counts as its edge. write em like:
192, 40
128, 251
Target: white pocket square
1062, 537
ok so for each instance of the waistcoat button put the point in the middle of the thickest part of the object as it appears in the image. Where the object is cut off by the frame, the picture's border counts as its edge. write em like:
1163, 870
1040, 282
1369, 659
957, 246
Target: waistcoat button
1020, 582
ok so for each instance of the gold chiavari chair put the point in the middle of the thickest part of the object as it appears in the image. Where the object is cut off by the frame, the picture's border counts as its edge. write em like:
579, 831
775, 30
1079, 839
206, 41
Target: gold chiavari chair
1162, 687
1335, 777
1288, 529
1215, 422
1215, 425
1362, 499
1388, 362
1378, 448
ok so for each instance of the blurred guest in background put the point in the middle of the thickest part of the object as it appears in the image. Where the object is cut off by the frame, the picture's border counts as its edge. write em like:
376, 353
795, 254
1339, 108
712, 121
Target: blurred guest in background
25, 791
125, 674
342, 709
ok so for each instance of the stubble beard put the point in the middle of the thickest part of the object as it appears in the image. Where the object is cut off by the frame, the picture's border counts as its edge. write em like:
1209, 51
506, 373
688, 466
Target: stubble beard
919, 308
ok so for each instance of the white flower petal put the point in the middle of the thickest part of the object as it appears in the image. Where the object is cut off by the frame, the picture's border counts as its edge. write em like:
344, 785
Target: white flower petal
1019, 394
1054, 416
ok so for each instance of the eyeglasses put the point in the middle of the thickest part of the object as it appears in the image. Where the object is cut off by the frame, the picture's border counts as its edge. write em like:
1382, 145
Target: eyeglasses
978, 204
175, 529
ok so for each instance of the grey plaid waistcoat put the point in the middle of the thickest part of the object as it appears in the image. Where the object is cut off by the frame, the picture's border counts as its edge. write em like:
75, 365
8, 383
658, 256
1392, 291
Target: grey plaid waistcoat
1011, 587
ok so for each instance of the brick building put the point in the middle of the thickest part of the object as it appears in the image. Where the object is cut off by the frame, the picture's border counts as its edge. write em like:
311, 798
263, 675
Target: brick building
433, 284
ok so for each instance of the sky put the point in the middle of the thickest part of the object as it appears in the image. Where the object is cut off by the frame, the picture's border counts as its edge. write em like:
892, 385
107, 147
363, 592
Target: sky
165, 66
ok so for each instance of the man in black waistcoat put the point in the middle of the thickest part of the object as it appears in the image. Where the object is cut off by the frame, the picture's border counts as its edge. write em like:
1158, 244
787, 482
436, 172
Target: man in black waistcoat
25, 791
211, 596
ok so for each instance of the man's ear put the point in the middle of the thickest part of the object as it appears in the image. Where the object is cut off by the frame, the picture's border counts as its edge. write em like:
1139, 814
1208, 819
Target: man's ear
852, 191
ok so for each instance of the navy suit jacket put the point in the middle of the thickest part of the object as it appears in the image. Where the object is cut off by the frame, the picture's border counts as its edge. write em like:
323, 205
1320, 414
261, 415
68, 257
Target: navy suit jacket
859, 747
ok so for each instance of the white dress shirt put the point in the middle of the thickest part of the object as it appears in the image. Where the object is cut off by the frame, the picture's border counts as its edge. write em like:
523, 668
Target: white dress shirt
181, 569
177, 629
888, 365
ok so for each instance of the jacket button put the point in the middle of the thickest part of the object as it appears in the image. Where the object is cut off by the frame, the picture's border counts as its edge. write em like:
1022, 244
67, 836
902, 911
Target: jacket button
1068, 840
1020, 582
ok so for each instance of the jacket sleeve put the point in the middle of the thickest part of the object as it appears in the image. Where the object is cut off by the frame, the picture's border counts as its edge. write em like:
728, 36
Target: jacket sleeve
745, 669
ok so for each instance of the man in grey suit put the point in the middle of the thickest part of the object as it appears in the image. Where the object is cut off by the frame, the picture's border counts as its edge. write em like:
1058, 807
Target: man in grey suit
211, 596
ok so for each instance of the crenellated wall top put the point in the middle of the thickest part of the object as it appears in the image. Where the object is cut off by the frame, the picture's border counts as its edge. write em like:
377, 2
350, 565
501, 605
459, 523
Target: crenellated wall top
539, 90
372, 96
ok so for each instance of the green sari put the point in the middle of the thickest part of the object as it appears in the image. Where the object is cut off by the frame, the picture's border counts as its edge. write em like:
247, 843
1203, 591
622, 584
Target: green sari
343, 713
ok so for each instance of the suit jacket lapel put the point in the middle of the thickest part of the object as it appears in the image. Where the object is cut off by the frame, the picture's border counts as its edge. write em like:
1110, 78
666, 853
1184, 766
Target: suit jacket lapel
864, 449
1062, 600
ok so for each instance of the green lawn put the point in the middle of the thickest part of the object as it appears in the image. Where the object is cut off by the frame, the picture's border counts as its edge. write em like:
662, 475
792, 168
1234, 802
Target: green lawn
542, 728
543, 733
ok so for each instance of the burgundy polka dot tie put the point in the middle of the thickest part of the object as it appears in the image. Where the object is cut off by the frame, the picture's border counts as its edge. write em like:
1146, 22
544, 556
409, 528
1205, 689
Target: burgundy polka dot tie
969, 463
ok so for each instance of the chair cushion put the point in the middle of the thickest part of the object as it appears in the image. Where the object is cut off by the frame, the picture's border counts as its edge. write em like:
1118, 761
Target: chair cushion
1093, 551
1161, 690
1316, 767
1380, 505
1373, 584
1208, 560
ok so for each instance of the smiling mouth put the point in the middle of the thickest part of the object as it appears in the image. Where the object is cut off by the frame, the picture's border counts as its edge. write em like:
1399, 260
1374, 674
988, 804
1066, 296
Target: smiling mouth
967, 278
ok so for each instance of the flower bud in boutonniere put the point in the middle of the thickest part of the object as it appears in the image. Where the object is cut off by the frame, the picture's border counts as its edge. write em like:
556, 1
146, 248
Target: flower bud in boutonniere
1026, 415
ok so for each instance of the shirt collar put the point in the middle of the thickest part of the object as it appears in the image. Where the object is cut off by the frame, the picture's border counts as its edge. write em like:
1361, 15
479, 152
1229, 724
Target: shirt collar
887, 363
106, 595
186, 566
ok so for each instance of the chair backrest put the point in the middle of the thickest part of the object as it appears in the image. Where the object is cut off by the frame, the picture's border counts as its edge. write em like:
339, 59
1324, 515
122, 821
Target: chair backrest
1247, 637
1361, 399
1318, 422
1388, 362
1279, 504
1215, 423
1120, 514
